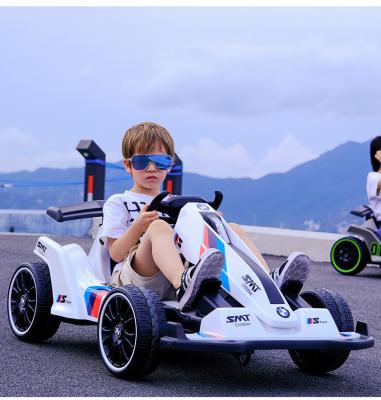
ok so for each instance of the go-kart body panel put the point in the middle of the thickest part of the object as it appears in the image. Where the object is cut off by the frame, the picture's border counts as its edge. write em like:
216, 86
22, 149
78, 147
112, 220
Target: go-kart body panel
77, 290
248, 283
351, 342
371, 240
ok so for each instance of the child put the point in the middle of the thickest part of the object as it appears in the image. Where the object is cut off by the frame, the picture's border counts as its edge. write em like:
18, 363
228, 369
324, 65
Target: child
152, 260
373, 185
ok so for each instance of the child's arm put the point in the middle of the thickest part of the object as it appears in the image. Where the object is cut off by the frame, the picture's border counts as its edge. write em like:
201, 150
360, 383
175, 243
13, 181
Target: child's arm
119, 248
377, 156
373, 185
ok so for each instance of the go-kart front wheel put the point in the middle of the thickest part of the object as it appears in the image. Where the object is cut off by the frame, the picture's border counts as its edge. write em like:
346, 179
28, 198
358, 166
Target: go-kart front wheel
30, 300
349, 255
322, 361
130, 324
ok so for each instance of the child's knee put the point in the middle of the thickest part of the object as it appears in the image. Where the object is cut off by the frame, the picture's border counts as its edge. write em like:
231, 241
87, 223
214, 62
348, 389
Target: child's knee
236, 228
159, 226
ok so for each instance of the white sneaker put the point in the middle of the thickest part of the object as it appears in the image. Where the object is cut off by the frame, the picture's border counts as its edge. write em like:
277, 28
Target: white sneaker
296, 268
208, 268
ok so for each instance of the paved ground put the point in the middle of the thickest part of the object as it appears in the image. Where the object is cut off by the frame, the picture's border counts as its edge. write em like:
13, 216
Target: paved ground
69, 365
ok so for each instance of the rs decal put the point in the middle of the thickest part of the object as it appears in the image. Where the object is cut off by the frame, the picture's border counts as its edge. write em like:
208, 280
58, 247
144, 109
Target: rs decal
316, 320
62, 298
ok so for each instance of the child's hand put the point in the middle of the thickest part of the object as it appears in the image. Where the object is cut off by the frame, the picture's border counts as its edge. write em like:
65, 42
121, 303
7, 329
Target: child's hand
145, 218
377, 156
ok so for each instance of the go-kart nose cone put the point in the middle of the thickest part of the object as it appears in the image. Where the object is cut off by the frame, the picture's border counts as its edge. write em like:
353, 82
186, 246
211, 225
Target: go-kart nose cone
283, 312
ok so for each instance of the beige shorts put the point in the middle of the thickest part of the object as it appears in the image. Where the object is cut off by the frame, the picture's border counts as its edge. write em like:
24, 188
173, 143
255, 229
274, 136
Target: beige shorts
158, 282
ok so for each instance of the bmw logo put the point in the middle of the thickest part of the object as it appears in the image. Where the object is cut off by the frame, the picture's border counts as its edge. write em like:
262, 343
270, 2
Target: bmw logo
202, 206
283, 312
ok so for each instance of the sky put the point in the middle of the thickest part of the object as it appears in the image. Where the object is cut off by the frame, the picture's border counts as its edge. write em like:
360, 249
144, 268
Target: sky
244, 91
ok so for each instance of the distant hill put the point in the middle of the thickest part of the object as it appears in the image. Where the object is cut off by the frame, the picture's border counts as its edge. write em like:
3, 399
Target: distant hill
316, 195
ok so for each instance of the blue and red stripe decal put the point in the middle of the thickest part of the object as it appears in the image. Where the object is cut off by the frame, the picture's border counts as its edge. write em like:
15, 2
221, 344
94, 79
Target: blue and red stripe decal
93, 298
212, 241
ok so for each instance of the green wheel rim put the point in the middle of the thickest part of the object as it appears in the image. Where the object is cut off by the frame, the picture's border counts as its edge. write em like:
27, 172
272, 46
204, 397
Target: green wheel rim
346, 271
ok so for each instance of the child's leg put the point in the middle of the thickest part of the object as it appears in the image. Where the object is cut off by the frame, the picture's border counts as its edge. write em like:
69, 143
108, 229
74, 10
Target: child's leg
249, 243
157, 252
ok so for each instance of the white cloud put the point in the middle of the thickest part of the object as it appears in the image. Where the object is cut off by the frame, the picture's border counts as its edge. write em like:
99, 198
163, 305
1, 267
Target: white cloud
66, 159
287, 154
19, 151
207, 157
211, 159
12, 139
252, 79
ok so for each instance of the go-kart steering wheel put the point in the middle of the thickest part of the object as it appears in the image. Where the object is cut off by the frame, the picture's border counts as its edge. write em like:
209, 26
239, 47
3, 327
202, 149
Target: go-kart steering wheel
157, 200
155, 204
174, 204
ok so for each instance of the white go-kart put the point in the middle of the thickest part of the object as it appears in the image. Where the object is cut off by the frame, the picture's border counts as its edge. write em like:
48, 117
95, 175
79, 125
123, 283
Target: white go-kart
242, 311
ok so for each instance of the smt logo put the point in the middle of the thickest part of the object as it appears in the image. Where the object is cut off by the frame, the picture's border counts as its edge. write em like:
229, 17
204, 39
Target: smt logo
41, 247
239, 320
249, 285
63, 299
316, 320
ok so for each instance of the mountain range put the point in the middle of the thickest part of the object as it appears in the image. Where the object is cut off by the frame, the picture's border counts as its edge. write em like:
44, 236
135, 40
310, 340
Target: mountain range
316, 195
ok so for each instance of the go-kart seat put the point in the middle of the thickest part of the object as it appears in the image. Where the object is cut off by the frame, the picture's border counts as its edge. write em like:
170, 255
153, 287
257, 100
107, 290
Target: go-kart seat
367, 213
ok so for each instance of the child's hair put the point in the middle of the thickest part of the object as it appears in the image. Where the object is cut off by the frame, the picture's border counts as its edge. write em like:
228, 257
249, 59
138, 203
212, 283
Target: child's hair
142, 138
375, 145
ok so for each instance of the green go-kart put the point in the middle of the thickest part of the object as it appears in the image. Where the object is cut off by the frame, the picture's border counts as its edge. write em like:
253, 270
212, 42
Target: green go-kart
360, 247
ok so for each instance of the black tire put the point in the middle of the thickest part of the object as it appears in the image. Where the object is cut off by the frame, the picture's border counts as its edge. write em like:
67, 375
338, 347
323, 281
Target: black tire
29, 304
130, 325
322, 361
349, 255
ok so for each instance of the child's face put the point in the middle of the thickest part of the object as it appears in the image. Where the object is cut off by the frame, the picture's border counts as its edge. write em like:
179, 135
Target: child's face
150, 179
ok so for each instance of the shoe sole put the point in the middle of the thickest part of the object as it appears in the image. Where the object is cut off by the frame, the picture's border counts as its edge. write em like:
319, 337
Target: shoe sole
210, 269
298, 270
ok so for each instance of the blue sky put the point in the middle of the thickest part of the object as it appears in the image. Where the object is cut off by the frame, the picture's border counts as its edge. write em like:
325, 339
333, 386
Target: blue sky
244, 91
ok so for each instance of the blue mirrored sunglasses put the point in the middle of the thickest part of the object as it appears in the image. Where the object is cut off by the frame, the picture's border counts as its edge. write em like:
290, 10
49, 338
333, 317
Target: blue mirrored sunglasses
142, 161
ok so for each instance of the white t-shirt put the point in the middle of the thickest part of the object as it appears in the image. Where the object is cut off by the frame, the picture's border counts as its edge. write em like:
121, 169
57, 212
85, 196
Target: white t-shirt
119, 212
371, 190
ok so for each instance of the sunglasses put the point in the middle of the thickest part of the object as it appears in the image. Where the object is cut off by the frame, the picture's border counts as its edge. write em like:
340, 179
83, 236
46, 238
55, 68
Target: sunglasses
142, 161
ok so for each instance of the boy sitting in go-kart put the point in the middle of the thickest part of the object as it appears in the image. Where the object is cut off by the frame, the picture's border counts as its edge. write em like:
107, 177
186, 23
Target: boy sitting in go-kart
152, 260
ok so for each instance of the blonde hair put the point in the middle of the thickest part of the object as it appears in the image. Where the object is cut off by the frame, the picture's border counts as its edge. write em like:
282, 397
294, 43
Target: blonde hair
142, 138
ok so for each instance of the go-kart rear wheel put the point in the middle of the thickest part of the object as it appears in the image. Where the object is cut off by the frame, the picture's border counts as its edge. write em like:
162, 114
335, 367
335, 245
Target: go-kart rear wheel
349, 255
29, 303
130, 324
322, 361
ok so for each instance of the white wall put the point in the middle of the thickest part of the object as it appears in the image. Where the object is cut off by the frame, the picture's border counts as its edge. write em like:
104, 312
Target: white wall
282, 242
